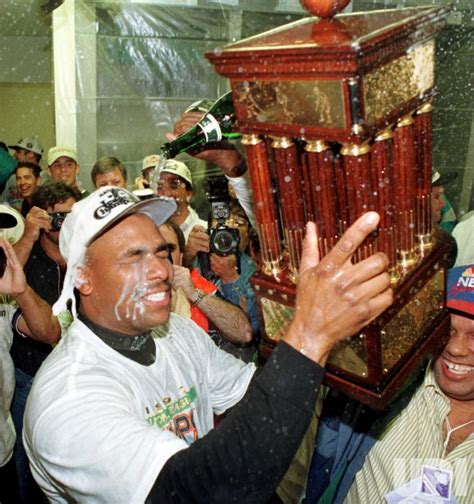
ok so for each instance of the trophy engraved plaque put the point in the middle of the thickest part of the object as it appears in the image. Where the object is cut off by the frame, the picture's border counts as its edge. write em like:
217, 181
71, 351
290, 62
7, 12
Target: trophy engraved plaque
335, 116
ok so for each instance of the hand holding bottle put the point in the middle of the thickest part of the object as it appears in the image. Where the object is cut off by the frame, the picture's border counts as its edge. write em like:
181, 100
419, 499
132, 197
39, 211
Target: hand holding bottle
202, 132
223, 154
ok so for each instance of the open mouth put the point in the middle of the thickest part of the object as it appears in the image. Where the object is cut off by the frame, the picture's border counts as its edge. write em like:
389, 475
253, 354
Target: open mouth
156, 297
460, 370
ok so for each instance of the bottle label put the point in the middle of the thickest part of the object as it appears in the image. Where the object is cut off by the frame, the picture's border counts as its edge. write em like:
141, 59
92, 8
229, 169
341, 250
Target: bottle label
211, 129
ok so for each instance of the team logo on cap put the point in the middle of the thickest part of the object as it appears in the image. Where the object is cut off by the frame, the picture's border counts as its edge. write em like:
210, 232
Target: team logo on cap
110, 199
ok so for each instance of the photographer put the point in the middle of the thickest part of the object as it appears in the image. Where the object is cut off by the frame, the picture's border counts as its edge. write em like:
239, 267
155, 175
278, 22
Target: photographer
228, 264
44, 268
194, 296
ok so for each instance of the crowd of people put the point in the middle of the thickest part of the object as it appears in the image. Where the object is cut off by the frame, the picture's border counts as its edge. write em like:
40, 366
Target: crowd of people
131, 373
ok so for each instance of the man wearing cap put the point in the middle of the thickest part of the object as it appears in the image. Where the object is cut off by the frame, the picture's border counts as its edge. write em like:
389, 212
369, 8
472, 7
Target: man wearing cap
442, 211
27, 150
176, 182
149, 163
431, 424
122, 410
63, 166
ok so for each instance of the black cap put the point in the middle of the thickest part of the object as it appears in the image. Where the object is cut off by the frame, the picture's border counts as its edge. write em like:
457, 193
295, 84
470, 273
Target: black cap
438, 179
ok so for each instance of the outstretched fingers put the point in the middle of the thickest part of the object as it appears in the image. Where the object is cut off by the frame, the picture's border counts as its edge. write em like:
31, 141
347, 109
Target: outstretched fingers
350, 241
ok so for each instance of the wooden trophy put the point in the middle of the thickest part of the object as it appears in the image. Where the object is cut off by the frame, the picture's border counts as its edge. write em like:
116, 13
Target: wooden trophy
335, 115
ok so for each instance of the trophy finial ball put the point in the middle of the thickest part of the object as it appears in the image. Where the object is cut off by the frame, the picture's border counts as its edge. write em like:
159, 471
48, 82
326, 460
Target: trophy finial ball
324, 8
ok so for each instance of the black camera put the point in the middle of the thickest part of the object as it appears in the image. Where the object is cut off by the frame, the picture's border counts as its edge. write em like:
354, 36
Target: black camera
57, 219
223, 240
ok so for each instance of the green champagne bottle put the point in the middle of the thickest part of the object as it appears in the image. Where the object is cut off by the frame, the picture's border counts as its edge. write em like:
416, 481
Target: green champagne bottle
216, 124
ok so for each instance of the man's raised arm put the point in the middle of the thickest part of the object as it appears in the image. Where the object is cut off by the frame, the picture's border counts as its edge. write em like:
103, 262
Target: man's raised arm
244, 458
36, 318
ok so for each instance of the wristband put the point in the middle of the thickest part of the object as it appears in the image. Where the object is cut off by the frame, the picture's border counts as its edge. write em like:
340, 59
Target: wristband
200, 296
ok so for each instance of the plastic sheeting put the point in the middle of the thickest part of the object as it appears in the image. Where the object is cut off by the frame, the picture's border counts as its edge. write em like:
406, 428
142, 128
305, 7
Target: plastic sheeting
138, 66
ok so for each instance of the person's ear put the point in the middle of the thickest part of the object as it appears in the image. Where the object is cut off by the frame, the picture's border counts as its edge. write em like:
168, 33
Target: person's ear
83, 281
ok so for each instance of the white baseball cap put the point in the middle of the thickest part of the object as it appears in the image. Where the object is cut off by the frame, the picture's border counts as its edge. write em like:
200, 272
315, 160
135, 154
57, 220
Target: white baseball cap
30, 144
60, 151
150, 161
12, 224
93, 215
178, 168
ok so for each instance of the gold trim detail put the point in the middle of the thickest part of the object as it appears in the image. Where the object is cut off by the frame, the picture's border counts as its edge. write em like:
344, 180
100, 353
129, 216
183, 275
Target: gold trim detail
407, 258
394, 276
425, 243
316, 146
281, 142
425, 108
405, 120
384, 134
251, 139
272, 268
353, 149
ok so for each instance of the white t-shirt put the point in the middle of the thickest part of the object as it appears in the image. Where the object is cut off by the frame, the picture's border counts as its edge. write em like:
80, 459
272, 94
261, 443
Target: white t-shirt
99, 427
7, 384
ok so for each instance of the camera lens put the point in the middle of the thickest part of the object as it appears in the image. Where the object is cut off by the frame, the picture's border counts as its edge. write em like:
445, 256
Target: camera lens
223, 242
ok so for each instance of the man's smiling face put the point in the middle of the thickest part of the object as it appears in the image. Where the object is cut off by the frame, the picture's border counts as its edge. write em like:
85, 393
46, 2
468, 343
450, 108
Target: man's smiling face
454, 369
127, 278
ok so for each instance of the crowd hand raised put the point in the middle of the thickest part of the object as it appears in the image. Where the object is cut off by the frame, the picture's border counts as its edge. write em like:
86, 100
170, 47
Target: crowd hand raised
13, 281
335, 298
36, 220
182, 278
198, 241
223, 154
141, 183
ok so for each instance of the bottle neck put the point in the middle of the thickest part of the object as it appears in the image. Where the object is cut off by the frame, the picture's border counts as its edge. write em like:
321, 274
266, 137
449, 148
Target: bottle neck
193, 137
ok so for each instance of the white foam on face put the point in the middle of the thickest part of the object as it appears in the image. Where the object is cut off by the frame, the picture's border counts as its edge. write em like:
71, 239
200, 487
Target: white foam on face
133, 291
